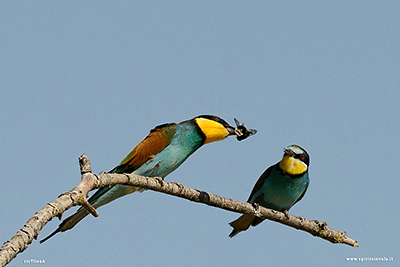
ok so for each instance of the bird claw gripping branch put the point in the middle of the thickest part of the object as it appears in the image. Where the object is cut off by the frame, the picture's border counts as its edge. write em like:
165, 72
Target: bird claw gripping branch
242, 132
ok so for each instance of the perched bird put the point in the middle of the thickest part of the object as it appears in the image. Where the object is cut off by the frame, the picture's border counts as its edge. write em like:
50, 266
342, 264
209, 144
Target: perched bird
279, 187
160, 153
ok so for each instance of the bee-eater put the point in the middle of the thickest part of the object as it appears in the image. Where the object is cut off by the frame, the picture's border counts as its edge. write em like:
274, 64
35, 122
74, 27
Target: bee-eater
279, 187
160, 153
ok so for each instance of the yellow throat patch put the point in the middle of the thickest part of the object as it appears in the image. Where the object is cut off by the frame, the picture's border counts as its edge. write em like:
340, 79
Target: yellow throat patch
213, 130
292, 166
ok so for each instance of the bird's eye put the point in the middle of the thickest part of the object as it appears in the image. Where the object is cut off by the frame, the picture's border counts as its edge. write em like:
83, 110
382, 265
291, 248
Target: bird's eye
302, 156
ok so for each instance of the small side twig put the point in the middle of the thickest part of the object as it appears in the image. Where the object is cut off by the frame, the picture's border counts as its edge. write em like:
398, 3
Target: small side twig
77, 196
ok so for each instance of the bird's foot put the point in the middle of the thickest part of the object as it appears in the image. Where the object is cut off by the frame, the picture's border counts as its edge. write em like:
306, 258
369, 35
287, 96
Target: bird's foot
286, 214
160, 180
255, 206
181, 186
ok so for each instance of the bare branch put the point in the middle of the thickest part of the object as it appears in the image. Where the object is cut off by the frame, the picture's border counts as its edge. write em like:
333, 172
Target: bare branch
31, 229
313, 227
78, 196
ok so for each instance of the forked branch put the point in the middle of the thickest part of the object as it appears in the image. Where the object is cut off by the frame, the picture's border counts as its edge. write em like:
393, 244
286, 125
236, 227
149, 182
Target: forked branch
78, 195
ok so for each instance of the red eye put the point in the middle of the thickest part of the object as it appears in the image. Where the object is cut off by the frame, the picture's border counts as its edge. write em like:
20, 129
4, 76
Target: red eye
302, 156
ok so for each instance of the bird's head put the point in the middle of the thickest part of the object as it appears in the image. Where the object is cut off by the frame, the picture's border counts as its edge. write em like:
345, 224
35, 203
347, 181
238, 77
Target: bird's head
216, 129
295, 160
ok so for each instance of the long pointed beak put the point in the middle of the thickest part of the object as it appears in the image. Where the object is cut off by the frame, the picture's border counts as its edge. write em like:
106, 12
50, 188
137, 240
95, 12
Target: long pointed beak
288, 152
231, 130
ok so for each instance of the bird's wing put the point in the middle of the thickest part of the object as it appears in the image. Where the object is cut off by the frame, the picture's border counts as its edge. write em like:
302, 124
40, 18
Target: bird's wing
154, 143
302, 195
260, 182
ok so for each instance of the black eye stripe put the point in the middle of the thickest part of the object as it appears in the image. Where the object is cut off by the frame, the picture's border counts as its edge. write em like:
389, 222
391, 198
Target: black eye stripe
297, 153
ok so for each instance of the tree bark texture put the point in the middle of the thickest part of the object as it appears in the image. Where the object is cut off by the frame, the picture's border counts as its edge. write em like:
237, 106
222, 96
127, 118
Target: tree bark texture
78, 196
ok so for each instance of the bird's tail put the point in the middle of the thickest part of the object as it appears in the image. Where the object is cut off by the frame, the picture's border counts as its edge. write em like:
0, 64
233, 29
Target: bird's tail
100, 198
241, 224
68, 223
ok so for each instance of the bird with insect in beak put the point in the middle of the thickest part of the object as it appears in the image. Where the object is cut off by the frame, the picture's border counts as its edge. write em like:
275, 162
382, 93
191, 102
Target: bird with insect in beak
160, 153
279, 187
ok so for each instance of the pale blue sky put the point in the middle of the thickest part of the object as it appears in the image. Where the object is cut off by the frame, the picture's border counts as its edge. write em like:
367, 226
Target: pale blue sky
94, 77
